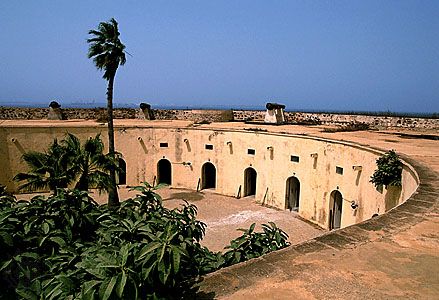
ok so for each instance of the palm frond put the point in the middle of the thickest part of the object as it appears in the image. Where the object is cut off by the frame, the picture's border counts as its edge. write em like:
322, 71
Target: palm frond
35, 160
106, 49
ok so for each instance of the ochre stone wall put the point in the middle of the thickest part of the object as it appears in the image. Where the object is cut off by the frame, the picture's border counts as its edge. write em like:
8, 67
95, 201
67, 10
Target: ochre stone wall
316, 168
8, 113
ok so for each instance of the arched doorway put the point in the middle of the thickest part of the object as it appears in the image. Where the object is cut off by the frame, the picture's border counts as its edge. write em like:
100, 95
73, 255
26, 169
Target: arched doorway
164, 172
208, 176
250, 176
292, 195
121, 174
335, 210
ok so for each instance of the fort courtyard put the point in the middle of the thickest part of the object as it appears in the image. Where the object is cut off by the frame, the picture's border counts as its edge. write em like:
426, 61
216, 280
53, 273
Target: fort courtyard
387, 247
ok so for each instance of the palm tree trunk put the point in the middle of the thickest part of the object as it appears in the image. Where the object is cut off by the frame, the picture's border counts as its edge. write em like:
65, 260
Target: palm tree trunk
83, 182
113, 197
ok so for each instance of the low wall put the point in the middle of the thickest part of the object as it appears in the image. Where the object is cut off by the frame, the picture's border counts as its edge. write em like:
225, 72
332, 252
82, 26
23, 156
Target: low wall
9, 113
23, 113
342, 119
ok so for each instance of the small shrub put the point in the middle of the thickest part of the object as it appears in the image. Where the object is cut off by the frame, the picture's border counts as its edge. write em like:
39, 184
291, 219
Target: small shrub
389, 170
254, 244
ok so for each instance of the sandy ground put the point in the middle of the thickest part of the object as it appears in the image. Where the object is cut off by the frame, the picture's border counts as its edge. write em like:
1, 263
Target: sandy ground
223, 215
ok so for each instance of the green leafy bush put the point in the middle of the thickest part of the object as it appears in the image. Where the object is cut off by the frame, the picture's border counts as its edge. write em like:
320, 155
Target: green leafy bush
69, 247
7, 200
389, 170
68, 162
254, 244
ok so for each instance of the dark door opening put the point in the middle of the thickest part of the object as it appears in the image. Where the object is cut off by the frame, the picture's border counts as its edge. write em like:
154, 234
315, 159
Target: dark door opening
335, 212
292, 194
208, 176
121, 174
250, 176
164, 172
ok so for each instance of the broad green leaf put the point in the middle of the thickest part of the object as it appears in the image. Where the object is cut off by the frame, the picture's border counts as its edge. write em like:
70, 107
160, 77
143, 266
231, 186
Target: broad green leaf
55, 291
147, 249
176, 260
88, 291
5, 264
162, 271
107, 287
121, 284
43, 240
7, 238
162, 253
29, 255
60, 241
145, 271
26, 294
46, 228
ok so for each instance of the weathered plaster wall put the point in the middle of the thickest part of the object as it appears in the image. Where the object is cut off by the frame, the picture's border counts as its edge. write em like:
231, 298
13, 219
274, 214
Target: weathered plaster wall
222, 115
318, 178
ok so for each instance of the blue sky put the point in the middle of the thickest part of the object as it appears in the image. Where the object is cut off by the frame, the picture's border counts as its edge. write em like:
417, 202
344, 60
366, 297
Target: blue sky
335, 55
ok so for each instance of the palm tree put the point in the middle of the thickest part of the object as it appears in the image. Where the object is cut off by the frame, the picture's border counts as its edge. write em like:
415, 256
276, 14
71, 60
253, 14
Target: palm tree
47, 170
108, 53
88, 162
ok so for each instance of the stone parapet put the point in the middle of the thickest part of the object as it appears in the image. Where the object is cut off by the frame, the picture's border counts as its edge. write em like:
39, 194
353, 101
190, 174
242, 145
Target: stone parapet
13, 113
342, 119
24, 113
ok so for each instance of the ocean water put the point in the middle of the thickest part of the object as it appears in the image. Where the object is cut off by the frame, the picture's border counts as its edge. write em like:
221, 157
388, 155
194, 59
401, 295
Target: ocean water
96, 104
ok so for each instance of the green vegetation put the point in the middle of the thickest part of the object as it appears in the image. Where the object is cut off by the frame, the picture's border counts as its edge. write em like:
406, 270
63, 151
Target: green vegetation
389, 170
6, 199
69, 247
254, 244
66, 163
89, 163
108, 53
47, 169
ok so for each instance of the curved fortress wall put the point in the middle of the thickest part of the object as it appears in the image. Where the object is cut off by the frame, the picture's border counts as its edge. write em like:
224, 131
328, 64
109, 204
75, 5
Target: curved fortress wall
323, 179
